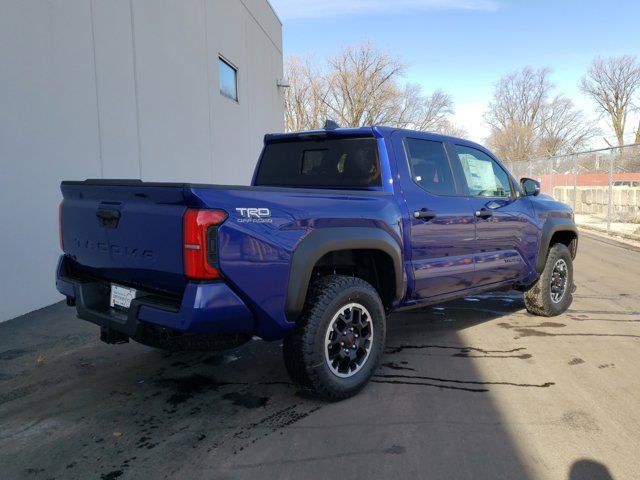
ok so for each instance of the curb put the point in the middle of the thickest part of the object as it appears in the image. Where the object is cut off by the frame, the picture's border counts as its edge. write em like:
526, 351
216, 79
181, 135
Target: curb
617, 240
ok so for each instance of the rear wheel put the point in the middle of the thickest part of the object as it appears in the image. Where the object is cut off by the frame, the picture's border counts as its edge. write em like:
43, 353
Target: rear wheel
335, 346
551, 294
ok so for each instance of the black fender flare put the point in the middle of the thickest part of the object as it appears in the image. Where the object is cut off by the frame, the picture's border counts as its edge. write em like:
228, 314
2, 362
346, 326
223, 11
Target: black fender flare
324, 240
551, 226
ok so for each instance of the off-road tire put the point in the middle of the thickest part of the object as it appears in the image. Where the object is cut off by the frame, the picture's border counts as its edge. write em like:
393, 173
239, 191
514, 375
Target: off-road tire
304, 345
537, 299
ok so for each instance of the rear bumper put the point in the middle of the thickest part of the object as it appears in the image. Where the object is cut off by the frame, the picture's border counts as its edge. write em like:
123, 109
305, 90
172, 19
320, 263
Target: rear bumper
205, 308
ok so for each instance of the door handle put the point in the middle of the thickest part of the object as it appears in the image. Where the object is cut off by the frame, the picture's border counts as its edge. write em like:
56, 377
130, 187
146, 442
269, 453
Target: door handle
424, 214
484, 213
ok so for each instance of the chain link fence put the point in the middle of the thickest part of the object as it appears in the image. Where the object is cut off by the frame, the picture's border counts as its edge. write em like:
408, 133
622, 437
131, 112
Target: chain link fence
602, 186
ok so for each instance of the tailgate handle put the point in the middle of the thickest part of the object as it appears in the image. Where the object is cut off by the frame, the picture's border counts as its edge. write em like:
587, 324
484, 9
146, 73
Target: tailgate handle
108, 217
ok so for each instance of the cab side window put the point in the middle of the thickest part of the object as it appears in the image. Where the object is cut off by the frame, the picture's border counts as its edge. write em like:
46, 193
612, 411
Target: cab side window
485, 178
430, 167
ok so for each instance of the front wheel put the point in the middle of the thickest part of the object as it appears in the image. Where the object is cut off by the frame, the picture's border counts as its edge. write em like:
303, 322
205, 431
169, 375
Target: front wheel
551, 294
335, 346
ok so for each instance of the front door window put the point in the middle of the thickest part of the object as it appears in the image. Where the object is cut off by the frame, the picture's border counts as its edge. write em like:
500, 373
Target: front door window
485, 178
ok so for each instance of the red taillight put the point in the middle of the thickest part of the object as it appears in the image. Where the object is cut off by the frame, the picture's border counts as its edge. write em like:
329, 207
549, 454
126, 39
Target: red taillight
60, 239
201, 243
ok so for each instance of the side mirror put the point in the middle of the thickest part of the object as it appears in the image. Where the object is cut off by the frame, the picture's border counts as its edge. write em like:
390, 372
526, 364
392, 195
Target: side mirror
530, 186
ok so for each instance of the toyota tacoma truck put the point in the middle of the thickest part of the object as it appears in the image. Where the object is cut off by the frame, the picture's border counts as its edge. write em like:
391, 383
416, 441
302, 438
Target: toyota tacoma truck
339, 228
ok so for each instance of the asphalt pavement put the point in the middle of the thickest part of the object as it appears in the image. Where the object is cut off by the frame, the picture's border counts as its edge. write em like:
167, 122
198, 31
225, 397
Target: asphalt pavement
474, 388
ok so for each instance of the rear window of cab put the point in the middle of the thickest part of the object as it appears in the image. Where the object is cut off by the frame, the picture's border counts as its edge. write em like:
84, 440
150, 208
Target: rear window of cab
330, 163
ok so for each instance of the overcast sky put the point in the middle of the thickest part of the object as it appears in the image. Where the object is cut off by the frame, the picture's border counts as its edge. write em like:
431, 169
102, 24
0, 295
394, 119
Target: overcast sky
464, 46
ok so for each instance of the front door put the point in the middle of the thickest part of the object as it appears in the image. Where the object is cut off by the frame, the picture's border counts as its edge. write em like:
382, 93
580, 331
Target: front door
503, 225
441, 220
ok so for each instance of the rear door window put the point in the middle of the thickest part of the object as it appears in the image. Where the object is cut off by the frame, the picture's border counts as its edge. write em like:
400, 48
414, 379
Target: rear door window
337, 163
430, 167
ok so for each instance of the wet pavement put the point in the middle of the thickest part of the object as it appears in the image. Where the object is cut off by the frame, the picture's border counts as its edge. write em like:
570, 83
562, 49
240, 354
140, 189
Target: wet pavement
475, 388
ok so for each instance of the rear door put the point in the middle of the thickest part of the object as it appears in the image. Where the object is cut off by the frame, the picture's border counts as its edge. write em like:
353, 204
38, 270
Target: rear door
505, 232
441, 221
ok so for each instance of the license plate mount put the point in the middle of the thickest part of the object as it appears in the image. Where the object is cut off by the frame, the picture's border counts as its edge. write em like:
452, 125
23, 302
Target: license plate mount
121, 297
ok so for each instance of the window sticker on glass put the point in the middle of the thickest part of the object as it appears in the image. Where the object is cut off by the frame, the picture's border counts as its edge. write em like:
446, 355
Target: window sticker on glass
485, 178
479, 173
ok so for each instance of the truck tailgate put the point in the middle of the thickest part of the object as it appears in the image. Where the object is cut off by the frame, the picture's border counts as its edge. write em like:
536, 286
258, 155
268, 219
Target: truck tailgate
126, 232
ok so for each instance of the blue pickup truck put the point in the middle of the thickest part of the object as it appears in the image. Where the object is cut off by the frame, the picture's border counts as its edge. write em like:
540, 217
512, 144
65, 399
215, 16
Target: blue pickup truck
339, 228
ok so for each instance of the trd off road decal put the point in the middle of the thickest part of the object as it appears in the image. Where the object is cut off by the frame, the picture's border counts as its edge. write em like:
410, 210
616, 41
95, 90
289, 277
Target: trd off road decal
254, 215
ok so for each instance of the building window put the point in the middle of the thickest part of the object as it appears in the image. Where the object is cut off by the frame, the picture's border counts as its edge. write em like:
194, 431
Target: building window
228, 79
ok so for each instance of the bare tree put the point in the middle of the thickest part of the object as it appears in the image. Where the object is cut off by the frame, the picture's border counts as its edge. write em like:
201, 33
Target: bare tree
516, 111
513, 142
611, 83
304, 100
526, 121
419, 112
564, 128
447, 127
360, 85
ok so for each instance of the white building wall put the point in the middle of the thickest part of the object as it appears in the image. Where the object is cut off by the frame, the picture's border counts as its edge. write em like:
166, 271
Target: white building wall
121, 89
116, 87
